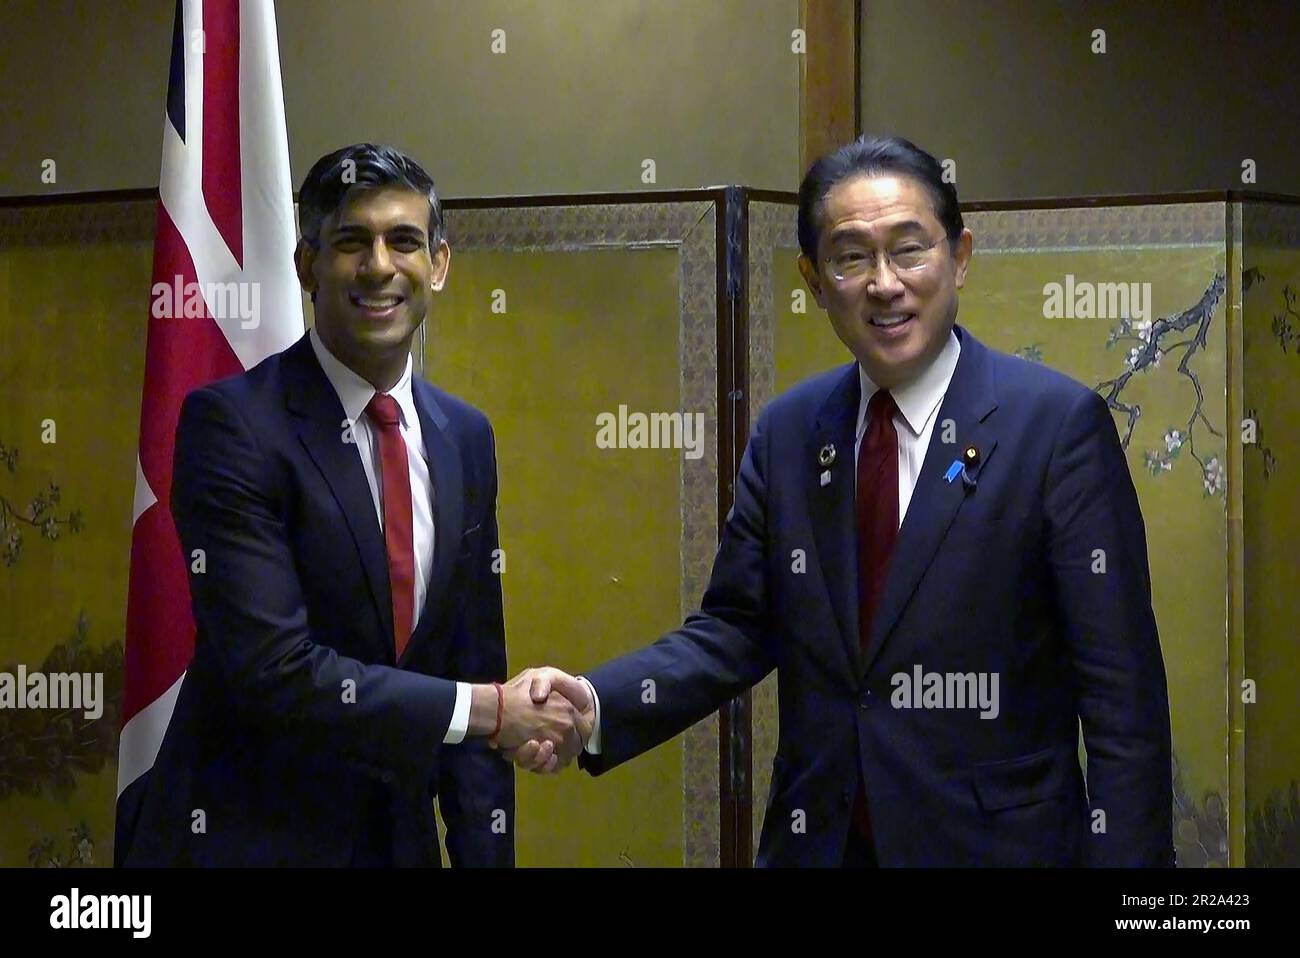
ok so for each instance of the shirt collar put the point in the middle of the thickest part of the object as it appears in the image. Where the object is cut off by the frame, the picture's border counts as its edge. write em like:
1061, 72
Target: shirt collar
918, 399
354, 392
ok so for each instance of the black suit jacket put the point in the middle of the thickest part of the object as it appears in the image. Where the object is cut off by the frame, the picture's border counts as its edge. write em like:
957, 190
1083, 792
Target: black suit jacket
296, 738
998, 577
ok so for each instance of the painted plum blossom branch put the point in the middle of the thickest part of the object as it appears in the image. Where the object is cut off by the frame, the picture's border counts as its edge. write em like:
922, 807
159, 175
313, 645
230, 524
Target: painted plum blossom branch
1151, 342
41, 514
1286, 324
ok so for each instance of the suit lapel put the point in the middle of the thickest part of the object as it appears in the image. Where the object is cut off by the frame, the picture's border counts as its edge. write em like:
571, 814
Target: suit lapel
321, 429
831, 508
969, 402
446, 471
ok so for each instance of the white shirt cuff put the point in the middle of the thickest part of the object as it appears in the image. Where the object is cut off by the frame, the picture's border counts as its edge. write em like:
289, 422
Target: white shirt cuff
593, 743
459, 715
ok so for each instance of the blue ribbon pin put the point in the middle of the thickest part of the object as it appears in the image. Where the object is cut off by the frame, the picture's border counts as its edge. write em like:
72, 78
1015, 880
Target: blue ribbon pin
958, 468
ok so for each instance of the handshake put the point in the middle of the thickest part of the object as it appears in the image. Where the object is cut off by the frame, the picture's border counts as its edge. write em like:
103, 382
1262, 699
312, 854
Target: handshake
542, 718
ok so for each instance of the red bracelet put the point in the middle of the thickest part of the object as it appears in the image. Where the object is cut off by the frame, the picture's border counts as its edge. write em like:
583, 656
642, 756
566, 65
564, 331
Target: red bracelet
501, 708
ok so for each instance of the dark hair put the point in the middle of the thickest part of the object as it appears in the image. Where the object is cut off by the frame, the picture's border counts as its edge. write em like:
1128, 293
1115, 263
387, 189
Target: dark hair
366, 167
872, 156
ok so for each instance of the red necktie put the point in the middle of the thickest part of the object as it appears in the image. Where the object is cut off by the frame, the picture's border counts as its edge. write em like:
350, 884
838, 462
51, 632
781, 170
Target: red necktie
877, 501
399, 536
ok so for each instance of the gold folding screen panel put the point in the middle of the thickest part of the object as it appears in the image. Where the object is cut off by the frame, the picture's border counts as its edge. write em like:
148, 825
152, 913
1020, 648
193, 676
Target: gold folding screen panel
74, 296
600, 306
1268, 731
552, 317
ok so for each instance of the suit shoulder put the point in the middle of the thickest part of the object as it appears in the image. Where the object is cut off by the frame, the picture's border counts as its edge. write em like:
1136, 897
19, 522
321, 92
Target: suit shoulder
802, 400
462, 414
259, 385
1023, 381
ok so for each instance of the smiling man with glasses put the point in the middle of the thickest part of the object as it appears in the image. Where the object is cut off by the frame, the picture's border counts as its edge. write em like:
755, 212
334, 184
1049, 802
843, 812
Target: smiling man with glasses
884, 255
948, 631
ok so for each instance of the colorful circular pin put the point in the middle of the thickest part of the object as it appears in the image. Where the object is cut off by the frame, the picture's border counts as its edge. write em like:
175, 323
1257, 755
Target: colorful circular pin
827, 454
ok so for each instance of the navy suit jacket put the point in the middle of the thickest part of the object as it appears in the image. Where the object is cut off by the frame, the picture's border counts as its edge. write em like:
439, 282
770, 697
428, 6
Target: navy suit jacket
296, 734
998, 577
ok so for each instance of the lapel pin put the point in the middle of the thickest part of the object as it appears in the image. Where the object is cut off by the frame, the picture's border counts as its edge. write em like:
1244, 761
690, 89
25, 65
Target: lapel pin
826, 456
971, 457
826, 478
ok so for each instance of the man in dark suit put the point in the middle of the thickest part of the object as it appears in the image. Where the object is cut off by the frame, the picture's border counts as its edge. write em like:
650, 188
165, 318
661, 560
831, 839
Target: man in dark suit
940, 550
350, 648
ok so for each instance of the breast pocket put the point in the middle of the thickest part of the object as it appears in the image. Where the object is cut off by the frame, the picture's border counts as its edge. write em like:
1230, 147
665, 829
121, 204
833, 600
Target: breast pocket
983, 557
469, 541
992, 527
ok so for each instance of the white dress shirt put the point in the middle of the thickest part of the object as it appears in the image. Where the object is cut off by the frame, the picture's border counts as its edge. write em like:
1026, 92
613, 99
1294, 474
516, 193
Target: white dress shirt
918, 405
355, 394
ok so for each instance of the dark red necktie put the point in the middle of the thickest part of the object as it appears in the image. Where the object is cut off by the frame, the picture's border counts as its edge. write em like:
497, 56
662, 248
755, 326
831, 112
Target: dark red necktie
399, 536
877, 502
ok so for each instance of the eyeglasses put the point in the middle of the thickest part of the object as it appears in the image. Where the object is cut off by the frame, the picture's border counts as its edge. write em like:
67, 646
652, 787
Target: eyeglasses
853, 263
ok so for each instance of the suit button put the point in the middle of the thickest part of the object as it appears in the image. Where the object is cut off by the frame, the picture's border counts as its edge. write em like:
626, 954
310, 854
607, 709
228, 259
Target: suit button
867, 700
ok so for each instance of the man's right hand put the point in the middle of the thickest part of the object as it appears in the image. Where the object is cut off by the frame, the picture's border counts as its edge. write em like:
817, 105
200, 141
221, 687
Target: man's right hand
540, 756
550, 719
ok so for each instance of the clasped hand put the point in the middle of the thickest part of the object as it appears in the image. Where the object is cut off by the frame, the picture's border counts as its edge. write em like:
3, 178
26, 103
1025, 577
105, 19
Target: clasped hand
546, 720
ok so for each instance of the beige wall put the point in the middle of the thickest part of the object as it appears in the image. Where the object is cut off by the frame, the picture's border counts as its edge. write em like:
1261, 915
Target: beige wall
1011, 90
586, 90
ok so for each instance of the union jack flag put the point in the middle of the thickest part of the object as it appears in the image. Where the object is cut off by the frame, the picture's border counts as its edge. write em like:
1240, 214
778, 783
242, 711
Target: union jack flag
224, 297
